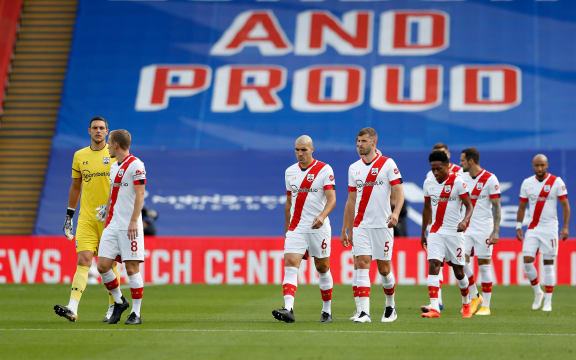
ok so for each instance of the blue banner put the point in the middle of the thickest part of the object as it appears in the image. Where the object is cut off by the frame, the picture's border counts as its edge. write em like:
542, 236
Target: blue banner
215, 92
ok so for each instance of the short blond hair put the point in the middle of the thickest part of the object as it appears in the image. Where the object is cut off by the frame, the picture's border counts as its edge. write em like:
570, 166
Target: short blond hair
122, 138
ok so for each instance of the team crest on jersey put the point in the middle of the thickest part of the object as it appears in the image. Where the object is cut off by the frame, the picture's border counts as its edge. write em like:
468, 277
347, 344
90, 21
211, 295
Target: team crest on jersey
479, 186
374, 171
310, 177
546, 188
447, 189
106, 160
121, 172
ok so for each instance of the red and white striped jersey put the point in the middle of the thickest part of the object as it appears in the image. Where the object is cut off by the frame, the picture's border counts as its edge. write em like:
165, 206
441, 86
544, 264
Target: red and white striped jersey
373, 183
123, 177
446, 199
306, 186
452, 167
543, 197
482, 188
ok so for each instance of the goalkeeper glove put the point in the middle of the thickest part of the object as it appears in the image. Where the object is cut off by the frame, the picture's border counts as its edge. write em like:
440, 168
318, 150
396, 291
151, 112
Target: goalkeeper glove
68, 224
101, 213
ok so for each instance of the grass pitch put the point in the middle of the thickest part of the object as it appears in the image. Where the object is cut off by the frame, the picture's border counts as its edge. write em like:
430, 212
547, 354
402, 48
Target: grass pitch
225, 322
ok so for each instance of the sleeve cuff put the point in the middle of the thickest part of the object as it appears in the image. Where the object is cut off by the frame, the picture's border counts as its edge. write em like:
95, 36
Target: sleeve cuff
426, 198
140, 182
396, 182
494, 196
523, 200
329, 187
562, 196
288, 192
464, 196
351, 189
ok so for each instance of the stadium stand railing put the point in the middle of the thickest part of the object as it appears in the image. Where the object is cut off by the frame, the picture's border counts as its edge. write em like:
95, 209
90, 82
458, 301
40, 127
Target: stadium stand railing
31, 106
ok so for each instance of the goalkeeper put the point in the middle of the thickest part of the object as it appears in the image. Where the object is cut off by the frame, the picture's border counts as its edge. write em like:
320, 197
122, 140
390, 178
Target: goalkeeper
91, 178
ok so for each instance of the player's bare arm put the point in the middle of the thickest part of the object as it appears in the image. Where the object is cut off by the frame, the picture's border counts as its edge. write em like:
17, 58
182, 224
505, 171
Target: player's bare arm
468, 204
564, 232
330, 204
348, 222
426, 219
520, 219
73, 197
74, 192
287, 208
398, 196
496, 215
138, 203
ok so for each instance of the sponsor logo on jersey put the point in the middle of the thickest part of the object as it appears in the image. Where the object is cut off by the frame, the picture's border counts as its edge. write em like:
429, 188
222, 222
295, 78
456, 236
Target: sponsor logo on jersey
106, 160
435, 200
140, 172
360, 184
296, 190
87, 175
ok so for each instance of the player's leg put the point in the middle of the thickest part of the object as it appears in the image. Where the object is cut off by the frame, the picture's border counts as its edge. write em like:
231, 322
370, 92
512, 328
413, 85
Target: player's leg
382, 249
389, 287
86, 246
529, 250
99, 228
484, 256
454, 247
295, 245
549, 282
355, 288
319, 246
435, 257
440, 283
363, 252
549, 253
136, 290
132, 253
78, 286
326, 284
434, 268
108, 250
469, 242
111, 282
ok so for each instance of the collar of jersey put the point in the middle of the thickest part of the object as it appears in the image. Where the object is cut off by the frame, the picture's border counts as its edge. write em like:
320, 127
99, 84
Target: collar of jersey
480, 173
126, 158
375, 158
545, 177
311, 164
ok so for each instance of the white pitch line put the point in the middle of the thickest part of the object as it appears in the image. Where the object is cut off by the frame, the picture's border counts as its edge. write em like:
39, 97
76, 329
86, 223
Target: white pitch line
376, 332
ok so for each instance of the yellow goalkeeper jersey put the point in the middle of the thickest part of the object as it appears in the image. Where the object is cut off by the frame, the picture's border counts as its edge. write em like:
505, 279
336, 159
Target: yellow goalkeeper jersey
93, 166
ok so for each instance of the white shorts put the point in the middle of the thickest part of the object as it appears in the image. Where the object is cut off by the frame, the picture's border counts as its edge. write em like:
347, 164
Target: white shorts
446, 247
476, 244
115, 242
376, 242
317, 243
546, 242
